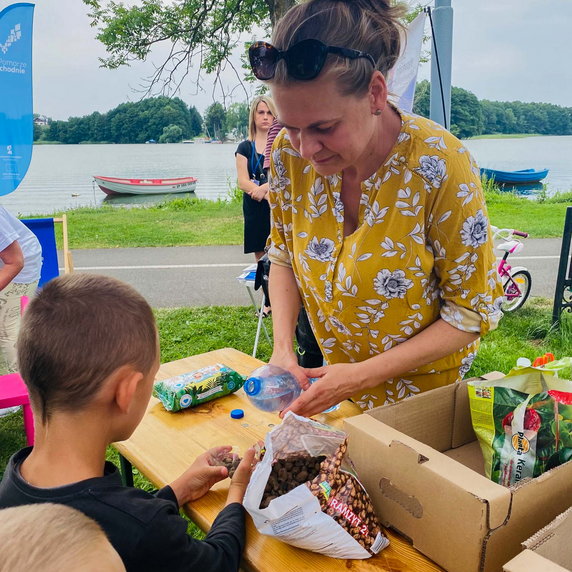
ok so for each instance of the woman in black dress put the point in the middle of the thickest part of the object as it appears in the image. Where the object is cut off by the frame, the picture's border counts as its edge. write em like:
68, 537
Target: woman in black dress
251, 177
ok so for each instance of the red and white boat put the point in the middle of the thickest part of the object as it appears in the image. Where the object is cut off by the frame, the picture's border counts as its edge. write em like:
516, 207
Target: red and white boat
117, 186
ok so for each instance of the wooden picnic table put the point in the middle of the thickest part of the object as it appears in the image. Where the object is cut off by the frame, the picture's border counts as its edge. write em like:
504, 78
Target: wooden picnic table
165, 444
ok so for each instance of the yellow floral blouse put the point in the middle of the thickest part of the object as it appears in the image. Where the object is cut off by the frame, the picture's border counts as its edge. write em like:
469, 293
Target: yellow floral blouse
422, 250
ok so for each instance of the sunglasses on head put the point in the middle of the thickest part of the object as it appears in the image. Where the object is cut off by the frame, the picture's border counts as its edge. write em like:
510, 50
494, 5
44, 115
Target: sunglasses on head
304, 60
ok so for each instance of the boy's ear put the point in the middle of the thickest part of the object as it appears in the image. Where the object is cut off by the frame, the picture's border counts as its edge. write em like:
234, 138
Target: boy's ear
126, 383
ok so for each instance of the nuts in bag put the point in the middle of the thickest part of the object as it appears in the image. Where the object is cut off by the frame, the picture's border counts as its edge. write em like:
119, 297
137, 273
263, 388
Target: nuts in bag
523, 422
196, 387
305, 492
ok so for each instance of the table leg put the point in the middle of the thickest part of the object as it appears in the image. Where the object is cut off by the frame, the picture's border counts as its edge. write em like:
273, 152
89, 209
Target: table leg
126, 470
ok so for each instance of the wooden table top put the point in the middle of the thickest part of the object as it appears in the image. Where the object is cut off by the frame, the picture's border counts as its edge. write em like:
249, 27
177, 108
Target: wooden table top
165, 444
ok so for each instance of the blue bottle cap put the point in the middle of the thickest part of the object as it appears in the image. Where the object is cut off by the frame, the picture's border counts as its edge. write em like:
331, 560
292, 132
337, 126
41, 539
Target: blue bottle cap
252, 386
237, 413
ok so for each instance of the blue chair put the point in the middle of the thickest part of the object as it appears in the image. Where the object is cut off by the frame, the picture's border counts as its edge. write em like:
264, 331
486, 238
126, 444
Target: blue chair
44, 229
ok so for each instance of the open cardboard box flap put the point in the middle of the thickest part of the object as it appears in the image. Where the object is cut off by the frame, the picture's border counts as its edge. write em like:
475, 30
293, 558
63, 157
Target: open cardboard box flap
549, 550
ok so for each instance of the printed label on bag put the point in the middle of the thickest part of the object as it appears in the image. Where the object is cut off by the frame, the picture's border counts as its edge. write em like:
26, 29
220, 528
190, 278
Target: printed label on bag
209, 392
288, 522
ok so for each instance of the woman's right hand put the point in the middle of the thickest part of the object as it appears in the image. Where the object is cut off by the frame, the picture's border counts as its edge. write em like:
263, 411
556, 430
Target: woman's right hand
259, 193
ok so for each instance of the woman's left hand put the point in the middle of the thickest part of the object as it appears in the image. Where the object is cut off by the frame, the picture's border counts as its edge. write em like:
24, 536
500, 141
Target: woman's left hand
335, 383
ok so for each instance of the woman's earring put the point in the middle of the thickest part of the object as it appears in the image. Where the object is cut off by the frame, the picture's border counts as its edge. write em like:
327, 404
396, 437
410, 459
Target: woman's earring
377, 112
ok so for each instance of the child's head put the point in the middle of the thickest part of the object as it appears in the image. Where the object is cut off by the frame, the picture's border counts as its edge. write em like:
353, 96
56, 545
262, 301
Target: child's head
53, 538
75, 333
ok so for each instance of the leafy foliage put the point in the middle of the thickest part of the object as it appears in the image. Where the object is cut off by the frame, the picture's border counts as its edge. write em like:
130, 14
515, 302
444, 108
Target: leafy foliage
196, 122
129, 123
171, 134
205, 29
215, 121
471, 117
237, 120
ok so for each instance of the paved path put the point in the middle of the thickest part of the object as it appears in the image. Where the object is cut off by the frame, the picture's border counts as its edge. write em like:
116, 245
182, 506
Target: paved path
205, 276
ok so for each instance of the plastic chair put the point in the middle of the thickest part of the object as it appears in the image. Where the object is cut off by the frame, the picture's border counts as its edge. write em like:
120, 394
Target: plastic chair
44, 229
248, 278
13, 392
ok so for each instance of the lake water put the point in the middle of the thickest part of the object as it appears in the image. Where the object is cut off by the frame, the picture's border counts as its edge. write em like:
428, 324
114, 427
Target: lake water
60, 176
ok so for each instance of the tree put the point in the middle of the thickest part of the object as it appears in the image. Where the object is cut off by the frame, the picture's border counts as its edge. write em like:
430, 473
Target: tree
195, 121
171, 134
192, 28
237, 120
466, 113
215, 121
421, 99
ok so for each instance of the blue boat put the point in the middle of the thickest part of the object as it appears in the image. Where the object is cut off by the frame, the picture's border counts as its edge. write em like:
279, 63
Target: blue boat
523, 177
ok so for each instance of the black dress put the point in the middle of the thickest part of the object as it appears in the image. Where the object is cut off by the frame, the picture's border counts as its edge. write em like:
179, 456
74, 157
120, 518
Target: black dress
256, 214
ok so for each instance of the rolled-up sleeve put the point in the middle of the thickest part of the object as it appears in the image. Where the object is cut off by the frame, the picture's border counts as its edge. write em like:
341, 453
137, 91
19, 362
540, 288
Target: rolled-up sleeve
460, 235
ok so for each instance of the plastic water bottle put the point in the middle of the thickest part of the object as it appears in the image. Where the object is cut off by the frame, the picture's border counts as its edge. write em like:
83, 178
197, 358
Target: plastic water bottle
271, 388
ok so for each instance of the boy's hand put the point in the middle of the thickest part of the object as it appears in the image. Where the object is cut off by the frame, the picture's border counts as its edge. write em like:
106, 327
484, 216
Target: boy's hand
241, 477
201, 475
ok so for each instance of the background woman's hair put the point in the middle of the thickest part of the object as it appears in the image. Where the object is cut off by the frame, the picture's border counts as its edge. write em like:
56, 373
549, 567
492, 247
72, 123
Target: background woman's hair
372, 26
251, 124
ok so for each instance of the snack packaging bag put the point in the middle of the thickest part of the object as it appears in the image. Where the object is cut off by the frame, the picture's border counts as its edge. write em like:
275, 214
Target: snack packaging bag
196, 387
523, 423
305, 492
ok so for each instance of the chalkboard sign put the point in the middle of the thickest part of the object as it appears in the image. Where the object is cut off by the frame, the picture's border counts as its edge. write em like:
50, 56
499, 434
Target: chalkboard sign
563, 294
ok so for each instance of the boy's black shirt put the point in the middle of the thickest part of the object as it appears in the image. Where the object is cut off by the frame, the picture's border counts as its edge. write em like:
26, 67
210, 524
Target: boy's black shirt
146, 530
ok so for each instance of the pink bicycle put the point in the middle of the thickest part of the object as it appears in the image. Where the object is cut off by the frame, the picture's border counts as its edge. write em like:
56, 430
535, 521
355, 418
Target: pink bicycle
516, 280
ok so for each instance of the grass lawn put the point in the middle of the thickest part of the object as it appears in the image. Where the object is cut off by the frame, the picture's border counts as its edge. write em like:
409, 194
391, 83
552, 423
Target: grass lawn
181, 222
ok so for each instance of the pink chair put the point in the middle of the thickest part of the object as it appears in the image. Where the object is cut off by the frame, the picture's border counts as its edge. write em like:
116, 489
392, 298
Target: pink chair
13, 392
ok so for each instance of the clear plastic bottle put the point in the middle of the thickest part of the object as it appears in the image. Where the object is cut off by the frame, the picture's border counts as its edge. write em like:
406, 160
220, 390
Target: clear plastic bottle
271, 388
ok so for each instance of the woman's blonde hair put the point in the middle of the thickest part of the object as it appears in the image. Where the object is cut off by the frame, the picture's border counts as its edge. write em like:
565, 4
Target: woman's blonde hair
371, 26
251, 123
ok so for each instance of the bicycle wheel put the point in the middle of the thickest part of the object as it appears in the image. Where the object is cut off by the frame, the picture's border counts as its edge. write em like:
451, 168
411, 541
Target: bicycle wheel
516, 291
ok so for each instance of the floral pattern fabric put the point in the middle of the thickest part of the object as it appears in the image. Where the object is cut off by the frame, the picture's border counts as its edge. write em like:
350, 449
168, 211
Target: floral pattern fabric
422, 250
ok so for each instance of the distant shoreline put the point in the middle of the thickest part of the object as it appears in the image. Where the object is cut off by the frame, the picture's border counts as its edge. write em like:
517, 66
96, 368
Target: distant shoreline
509, 136
487, 136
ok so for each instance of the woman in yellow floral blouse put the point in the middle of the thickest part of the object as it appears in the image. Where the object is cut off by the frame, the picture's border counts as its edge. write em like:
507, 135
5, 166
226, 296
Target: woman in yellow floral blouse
379, 223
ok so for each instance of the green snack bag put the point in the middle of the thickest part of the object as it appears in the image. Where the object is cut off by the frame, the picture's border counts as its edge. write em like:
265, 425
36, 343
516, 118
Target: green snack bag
196, 387
523, 423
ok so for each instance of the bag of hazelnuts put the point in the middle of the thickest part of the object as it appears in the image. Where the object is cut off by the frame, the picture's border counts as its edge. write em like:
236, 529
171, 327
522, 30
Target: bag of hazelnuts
305, 492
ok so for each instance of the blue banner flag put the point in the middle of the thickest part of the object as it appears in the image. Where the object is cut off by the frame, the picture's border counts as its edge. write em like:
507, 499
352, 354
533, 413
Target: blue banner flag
16, 106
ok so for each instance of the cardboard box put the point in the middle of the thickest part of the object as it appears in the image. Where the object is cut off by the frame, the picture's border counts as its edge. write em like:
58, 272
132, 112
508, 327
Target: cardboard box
423, 468
549, 550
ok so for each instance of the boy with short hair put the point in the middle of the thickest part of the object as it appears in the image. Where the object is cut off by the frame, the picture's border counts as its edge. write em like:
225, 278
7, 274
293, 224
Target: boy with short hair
32, 537
88, 351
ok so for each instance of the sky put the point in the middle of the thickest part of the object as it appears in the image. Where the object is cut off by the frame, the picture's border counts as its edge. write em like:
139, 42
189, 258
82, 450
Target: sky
503, 50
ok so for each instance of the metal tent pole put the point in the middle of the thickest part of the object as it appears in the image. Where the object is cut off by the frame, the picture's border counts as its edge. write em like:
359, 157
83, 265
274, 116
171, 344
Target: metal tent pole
441, 58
